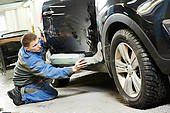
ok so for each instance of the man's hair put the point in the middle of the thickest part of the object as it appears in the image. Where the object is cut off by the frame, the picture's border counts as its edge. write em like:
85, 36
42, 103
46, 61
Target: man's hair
27, 39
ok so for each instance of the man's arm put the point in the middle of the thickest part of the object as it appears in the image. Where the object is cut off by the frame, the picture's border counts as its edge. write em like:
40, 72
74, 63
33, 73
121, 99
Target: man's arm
39, 67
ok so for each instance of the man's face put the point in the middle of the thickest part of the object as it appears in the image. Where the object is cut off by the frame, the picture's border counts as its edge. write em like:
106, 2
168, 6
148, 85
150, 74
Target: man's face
35, 46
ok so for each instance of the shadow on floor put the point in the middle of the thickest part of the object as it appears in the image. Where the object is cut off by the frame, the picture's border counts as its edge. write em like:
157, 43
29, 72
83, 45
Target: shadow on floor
101, 81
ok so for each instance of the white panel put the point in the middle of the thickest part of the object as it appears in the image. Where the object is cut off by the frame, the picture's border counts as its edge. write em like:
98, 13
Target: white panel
11, 20
3, 26
24, 22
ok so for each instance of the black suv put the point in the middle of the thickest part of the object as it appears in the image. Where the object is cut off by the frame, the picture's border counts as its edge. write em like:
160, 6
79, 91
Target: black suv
131, 37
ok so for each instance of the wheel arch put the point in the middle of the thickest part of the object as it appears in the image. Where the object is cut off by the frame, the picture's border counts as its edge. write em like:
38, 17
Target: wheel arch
119, 21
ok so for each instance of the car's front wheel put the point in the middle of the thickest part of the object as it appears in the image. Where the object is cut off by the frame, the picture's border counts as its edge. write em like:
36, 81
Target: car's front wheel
135, 75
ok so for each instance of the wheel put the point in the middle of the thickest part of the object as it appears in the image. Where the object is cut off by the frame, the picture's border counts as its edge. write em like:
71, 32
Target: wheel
135, 75
61, 82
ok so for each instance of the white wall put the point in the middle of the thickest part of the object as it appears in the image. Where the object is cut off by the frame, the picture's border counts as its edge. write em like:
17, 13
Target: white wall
17, 19
23, 15
11, 20
26, 16
36, 8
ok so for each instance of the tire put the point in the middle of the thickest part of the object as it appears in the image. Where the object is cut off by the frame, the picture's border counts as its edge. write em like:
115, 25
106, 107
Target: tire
61, 82
135, 75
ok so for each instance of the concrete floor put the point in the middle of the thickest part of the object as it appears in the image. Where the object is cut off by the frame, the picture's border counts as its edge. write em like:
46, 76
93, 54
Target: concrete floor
86, 93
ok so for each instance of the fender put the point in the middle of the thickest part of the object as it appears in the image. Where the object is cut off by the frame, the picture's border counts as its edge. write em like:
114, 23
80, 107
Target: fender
121, 18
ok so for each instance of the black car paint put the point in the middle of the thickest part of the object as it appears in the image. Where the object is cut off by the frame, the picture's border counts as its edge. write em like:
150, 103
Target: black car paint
147, 27
143, 17
71, 28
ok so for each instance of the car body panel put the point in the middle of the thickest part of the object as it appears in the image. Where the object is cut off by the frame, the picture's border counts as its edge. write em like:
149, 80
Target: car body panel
70, 24
148, 28
144, 17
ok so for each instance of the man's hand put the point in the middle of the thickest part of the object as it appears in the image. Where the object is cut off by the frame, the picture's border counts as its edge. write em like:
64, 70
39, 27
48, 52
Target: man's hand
79, 65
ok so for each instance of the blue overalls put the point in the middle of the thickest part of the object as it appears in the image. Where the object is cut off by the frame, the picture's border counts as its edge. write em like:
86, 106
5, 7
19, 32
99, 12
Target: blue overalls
32, 74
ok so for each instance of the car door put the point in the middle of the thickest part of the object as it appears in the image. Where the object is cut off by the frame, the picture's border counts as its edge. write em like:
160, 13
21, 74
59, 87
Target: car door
70, 27
67, 25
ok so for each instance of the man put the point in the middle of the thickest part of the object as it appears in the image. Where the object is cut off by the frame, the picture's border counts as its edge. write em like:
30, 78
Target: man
32, 75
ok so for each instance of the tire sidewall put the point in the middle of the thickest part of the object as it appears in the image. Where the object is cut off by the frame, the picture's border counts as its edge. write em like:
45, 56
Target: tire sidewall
118, 38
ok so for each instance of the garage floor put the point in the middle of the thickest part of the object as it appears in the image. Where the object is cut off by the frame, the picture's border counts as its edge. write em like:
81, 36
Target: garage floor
93, 93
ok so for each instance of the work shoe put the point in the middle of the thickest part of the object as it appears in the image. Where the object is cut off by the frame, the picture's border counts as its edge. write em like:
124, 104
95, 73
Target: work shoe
15, 95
